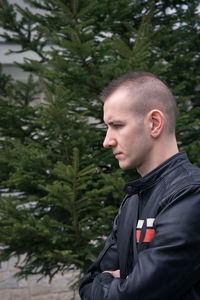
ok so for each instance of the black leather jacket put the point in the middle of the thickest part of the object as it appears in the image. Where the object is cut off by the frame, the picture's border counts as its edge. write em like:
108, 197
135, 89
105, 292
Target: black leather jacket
155, 239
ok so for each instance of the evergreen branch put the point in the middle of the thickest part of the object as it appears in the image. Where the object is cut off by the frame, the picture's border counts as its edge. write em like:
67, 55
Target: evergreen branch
84, 63
75, 173
53, 103
87, 9
123, 48
74, 9
65, 8
145, 20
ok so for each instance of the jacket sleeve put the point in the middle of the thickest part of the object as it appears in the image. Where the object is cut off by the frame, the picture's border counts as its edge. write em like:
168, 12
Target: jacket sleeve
107, 260
171, 265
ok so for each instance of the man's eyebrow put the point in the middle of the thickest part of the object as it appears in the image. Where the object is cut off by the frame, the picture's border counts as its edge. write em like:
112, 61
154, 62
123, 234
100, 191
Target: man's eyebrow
110, 122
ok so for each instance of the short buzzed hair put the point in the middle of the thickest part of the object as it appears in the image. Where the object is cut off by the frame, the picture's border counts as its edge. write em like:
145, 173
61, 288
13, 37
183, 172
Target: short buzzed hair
151, 93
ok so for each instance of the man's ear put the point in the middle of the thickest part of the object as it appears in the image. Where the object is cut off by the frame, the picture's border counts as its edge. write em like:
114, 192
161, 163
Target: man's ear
156, 121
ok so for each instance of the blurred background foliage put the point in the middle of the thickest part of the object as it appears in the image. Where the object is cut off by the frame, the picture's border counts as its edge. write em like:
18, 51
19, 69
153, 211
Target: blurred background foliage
59, 189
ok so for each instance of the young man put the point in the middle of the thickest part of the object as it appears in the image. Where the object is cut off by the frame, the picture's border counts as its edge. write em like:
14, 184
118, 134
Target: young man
153, 252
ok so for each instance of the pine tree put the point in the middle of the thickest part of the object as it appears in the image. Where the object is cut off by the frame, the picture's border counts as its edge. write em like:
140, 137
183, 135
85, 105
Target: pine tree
59, 189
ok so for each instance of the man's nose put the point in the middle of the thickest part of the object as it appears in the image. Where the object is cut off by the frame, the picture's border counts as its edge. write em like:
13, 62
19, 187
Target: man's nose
109, 141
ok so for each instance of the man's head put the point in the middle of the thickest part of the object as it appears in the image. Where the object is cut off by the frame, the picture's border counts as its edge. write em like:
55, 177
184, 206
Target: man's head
147, 92
140, 112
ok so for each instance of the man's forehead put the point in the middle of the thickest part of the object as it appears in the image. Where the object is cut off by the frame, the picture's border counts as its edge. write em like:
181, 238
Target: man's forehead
121, 101
122, 91
118, 113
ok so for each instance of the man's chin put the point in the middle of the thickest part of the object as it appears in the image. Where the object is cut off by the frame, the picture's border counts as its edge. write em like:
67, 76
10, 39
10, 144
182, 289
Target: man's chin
124, 166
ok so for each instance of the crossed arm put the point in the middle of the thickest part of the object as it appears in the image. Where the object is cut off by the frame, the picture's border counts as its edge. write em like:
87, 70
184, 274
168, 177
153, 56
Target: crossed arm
115, 273
168, 269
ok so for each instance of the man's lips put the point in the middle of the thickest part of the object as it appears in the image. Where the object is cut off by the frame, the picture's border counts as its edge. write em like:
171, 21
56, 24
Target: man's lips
117, 154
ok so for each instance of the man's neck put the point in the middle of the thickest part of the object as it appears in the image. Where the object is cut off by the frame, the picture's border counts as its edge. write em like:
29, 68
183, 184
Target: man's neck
159, 155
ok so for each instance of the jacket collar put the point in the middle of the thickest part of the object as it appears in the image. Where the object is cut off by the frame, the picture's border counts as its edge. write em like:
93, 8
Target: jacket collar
155, 175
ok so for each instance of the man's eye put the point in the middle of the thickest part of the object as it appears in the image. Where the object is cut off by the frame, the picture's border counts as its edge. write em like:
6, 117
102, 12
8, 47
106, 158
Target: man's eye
117, 125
